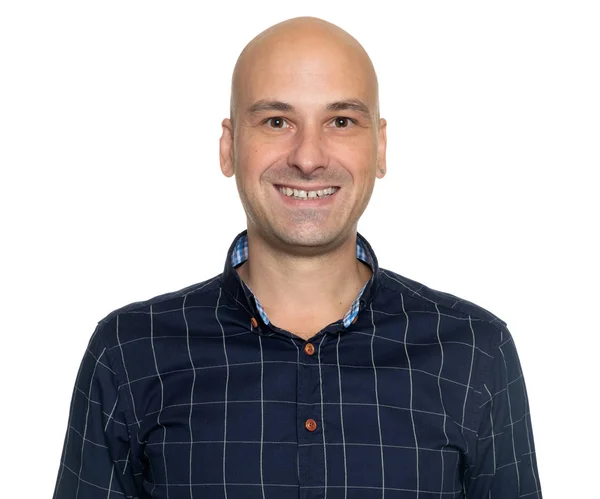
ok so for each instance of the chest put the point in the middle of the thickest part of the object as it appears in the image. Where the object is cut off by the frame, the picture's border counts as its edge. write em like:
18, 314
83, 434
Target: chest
270, 416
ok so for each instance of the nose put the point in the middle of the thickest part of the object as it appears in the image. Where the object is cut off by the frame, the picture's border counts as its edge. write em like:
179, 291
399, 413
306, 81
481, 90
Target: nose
308, 151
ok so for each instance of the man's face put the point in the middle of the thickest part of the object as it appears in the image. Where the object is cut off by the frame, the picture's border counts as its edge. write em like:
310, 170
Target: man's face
305, 124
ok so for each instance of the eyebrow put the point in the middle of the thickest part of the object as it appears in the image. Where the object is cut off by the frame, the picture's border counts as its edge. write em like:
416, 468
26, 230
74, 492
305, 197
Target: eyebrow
262, 106
350, 105
356, 105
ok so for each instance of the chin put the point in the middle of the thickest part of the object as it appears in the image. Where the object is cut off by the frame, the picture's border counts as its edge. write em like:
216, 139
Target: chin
308, 237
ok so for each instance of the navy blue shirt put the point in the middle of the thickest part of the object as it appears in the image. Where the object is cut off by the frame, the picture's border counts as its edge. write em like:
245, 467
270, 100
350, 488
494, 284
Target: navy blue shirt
414, 393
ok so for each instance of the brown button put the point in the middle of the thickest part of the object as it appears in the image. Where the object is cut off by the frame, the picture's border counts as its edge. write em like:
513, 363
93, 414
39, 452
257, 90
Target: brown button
309, 349
311, 425
354, 320
254, 322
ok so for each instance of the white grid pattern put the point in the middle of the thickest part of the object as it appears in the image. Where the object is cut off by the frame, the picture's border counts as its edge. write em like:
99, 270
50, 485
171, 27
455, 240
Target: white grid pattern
181, 396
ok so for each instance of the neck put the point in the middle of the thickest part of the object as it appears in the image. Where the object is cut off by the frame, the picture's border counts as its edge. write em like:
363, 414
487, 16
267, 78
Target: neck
293, 287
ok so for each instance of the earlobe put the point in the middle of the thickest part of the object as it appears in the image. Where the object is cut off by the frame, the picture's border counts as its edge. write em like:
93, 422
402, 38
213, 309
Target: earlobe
381, 160
226, 148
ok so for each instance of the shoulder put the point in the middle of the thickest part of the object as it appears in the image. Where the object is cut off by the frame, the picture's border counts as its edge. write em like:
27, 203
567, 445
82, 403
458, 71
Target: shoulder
476, 341
419, 296
132, 321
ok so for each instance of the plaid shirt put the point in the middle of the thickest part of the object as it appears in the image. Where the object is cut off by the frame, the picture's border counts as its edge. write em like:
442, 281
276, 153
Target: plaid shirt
415, 393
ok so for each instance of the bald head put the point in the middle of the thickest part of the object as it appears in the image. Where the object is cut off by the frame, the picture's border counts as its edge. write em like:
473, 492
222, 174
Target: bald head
304, 113
298, 49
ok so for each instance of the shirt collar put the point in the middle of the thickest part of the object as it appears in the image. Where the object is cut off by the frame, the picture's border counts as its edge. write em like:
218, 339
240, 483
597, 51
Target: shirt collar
238, 254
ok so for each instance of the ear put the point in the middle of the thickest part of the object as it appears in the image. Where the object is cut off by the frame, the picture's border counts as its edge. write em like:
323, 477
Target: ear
226, 148
381, 149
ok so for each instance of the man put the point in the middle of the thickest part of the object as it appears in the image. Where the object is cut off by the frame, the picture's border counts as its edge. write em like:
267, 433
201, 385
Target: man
303, 370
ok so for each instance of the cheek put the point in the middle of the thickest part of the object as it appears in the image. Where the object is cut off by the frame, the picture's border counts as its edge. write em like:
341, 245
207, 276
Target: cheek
359, 157
253, 155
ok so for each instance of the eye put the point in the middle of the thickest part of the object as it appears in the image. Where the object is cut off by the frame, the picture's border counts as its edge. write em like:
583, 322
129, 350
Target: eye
342, 122
276, 122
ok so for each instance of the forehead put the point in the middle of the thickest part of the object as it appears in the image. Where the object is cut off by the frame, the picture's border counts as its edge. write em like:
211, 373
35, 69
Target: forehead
307, 75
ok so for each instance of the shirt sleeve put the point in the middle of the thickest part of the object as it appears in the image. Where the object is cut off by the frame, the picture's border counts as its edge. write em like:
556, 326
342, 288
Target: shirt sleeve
504, 464
96, 457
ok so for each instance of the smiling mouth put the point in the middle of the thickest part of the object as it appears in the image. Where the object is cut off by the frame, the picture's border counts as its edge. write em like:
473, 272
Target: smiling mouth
304, 195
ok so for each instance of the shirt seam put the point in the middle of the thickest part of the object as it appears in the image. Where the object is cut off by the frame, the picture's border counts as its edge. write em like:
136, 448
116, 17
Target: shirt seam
483, 407
128, 408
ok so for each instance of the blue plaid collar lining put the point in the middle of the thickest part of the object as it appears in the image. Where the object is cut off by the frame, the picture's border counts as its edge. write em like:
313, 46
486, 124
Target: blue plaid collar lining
240, 254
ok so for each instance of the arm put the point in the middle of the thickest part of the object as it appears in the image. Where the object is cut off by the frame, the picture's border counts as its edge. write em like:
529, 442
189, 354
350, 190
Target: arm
504, 464
96, 460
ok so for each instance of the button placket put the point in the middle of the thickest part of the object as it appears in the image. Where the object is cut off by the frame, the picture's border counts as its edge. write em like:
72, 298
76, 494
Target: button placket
310, 456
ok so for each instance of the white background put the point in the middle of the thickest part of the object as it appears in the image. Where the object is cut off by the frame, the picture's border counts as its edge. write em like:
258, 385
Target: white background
110, 188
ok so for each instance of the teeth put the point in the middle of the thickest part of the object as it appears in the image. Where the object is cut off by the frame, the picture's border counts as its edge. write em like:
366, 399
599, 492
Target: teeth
301, 194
